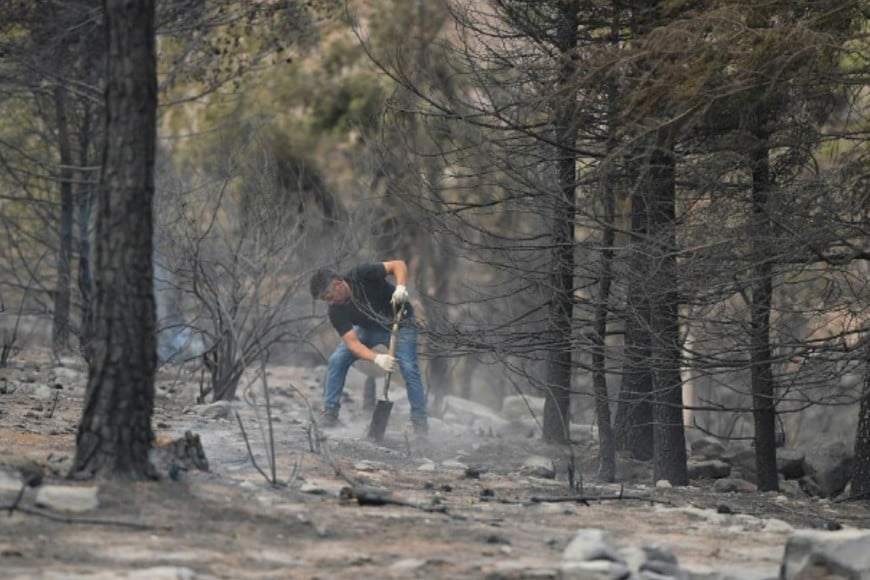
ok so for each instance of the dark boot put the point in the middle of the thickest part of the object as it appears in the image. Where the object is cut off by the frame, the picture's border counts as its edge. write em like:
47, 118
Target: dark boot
420, 427
328, 417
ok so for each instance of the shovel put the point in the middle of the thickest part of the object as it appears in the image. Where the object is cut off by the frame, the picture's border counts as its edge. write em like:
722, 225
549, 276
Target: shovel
384, 406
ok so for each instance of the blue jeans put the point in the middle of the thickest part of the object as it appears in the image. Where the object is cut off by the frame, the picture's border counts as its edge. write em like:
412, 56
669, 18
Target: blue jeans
406, 356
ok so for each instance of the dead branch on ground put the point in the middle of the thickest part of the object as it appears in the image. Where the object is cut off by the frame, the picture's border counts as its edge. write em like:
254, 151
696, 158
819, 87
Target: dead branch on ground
375, 496
585, 499
78, 520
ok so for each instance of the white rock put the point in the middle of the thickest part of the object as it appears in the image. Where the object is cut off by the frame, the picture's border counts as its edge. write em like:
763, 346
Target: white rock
408, 565
216, 410
366, 465
161, 572
777, 525
473, 414
697, 514
63, 374
538, 466
312, 489
10, 481
44, 392
836, 555
594, 570
590, 544
153, 573
520, 407
68, 498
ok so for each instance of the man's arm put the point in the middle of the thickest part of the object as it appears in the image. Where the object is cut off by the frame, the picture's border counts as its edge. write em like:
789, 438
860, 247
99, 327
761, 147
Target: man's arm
353, 343
398, 269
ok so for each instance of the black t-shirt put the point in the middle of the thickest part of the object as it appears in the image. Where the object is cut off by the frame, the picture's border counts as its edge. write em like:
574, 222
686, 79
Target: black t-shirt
369, 306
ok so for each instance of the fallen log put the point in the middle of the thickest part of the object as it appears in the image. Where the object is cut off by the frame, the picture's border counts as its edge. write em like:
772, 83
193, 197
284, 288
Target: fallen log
67, 519
585, 499
377, 496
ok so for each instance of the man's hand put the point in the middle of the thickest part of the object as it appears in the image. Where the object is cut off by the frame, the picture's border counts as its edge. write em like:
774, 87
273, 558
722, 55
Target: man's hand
400, 295
386, 362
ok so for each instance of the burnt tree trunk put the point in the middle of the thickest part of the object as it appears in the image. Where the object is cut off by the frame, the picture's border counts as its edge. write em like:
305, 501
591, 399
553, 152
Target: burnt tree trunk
861, 467
606, 443
761, 373
606, 435
60, 331
114, 434
634, 416
436, 269
88, 137
228, 367
606, 446
668, 433
558, 395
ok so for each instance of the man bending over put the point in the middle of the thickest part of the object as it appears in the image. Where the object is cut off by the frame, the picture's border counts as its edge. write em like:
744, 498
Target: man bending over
361, 306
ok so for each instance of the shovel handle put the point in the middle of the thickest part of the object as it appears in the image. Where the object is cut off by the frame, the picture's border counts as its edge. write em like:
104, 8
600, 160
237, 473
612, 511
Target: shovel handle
398, 313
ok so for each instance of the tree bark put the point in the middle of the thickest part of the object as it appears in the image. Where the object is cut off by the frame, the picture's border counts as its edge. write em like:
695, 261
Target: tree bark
559, 356
436, 273
228, 368
60, 331
634, 415
606, 446
761, 373
115, 435
84, 205
861, 467
669, 435
606, 434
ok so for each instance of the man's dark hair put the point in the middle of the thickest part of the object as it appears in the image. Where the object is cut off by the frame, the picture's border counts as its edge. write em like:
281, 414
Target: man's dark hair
321, 281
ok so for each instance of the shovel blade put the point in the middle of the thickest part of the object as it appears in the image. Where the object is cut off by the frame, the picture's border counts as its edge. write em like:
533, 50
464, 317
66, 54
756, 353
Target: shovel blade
380, 418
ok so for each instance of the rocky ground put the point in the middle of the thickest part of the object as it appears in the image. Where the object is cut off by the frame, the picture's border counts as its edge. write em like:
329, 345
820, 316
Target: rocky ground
482, 497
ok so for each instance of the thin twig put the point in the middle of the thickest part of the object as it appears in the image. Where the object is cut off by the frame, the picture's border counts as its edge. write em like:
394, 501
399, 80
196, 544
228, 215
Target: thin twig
320, 439
251, 401
297, 467
575, 477
313, 443
250, 452
270, 425
327, 454
14, 505
54, 399
314, 434
75, 520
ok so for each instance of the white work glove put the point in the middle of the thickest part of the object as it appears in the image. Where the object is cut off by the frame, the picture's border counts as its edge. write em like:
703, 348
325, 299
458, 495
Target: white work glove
400, 295
386, 362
